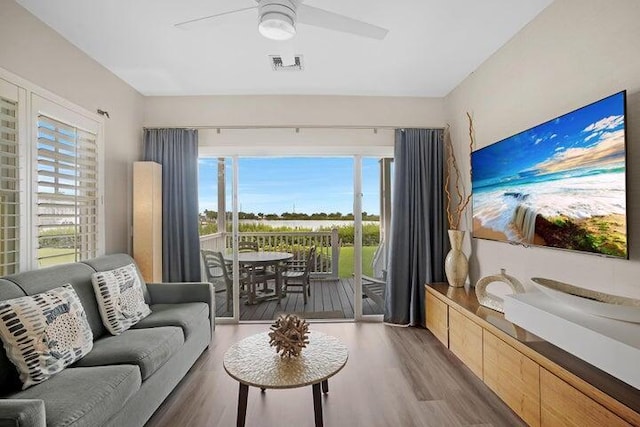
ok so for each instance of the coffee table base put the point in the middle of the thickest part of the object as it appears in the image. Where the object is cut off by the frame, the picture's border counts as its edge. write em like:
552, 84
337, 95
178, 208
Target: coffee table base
243, 395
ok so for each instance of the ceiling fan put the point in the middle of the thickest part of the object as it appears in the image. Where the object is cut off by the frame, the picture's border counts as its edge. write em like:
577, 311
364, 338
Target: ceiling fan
277, 20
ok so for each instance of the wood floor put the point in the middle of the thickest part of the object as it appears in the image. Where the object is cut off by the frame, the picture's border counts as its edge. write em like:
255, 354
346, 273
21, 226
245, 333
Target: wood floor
400, 377
326, 296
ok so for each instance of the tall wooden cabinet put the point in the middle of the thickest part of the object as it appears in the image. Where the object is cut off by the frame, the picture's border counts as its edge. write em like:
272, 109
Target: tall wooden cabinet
542, 384
147, 219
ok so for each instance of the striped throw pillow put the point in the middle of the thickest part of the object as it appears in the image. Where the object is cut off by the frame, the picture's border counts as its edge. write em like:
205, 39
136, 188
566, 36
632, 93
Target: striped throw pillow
120, 298
44, 333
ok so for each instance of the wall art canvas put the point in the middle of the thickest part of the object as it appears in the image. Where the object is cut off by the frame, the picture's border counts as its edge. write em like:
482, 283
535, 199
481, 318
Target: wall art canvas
560, 184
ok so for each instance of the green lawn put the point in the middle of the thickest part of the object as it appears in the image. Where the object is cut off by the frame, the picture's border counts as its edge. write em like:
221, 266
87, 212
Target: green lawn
345, 266
346, 260
42, 252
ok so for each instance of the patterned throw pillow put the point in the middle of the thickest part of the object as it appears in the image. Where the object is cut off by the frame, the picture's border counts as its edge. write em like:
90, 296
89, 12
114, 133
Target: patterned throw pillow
120, 298
44, 333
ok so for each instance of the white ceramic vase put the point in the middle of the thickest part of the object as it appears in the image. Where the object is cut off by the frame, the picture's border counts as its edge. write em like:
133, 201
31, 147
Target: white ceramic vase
456, 265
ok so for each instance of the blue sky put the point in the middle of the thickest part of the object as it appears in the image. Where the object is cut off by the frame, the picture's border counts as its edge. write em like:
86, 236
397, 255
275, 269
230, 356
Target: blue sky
277, 184
591, 137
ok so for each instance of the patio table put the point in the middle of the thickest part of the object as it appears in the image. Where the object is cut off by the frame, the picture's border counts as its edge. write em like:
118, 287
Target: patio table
256, 260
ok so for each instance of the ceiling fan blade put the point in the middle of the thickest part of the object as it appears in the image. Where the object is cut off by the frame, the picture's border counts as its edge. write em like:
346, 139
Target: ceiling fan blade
333, 21
204, 19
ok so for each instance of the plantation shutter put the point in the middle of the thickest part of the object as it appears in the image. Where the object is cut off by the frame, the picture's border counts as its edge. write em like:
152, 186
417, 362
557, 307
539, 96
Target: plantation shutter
67, 193
9, 188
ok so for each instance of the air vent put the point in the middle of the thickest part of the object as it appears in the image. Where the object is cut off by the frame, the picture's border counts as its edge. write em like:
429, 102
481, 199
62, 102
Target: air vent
276, 63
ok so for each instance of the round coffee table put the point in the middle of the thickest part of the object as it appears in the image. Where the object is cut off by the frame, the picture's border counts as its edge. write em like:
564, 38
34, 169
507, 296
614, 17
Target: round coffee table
253, 362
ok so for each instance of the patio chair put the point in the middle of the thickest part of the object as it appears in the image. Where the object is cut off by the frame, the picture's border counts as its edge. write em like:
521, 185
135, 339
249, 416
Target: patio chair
247, 246
297, 274
375, 288
261, 274
211, 269
218, 274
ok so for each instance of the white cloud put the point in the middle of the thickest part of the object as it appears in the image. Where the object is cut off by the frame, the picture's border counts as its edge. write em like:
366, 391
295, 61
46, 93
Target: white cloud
609, 150
593, 135
559, 148
608, 123
553, 136
538, 141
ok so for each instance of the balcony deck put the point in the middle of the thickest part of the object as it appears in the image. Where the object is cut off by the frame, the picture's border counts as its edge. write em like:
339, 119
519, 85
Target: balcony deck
330, 299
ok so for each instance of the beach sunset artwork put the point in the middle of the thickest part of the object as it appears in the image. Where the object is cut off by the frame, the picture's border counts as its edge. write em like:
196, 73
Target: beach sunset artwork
560, 184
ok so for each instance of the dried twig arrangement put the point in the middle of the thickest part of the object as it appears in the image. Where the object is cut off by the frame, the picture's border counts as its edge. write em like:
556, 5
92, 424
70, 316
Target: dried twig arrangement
458, 201
290, 334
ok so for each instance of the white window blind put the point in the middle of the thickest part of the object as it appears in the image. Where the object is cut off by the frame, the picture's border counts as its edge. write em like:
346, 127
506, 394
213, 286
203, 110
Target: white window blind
9, 188
67, 193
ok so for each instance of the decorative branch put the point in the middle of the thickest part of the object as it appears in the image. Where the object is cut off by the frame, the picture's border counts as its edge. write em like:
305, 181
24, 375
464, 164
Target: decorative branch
457, 202
290, 334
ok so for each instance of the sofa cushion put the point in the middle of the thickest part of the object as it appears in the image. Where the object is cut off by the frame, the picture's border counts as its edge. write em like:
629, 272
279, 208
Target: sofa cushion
85, 396
186, 315
110, 262
120, 298
44, 333
77, 274
149, 349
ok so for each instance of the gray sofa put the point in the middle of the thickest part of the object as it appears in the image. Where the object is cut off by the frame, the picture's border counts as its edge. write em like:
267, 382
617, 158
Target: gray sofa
124, 378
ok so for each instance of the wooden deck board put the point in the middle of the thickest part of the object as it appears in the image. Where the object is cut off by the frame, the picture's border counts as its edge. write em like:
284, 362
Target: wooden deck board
345, 303
326, 295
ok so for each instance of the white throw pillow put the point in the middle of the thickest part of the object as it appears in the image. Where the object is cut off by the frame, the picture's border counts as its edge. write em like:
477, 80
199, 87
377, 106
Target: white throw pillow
44, 333
120, 298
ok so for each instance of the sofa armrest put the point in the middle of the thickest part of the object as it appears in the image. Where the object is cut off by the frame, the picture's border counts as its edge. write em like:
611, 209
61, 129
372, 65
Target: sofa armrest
177, 292
22, 413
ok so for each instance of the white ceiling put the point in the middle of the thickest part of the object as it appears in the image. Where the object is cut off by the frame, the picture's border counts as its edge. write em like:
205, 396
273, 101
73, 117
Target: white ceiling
431, 47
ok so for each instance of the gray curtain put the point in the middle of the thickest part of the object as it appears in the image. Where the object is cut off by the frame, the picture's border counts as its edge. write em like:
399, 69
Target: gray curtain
419, 240
177, 151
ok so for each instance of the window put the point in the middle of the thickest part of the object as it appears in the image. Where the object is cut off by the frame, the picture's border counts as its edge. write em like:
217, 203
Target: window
51, 178
9, 188
67, 198
65, 161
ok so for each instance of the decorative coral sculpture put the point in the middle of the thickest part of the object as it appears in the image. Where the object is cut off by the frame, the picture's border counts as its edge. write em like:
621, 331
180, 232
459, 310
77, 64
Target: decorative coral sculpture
290, 334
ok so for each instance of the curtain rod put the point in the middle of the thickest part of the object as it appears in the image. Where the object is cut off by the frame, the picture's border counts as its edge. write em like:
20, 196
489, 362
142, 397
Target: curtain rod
295, 127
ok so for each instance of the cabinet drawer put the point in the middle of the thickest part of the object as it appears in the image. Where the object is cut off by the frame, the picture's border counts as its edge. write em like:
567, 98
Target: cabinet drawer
513, 377
562, 404
465, 341
437, 318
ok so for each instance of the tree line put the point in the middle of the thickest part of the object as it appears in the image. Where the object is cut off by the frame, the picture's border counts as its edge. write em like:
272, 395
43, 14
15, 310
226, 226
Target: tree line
210, 216
370, 232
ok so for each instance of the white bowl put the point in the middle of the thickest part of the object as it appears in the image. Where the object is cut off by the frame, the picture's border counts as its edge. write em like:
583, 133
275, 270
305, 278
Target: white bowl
593, 302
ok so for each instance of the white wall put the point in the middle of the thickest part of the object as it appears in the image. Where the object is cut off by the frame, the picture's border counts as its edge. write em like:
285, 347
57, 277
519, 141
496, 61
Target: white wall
573, 53
299, 142
35, 52
293, 110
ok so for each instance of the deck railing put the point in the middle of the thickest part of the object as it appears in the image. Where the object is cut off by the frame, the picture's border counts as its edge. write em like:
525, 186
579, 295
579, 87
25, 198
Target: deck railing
213, 242
327, 245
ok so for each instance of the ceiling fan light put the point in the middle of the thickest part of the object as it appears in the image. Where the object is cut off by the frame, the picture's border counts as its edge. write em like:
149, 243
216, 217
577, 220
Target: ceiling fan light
276, 26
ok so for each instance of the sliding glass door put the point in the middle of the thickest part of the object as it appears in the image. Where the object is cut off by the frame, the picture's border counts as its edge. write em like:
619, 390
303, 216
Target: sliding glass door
216, 231
375, 208
320, 220
300, 206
